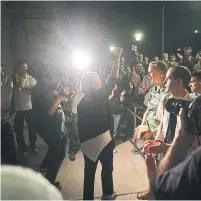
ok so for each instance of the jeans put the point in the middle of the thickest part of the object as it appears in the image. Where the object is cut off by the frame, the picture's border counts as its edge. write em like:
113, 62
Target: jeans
106, 159
116, 122
74, 144
54, 158
19, 128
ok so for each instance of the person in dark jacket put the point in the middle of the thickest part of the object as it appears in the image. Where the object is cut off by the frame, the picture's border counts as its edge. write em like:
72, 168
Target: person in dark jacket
95, 128
50, 125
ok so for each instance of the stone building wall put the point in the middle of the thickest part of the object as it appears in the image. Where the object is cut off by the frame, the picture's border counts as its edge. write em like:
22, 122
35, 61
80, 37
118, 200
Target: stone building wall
6, 55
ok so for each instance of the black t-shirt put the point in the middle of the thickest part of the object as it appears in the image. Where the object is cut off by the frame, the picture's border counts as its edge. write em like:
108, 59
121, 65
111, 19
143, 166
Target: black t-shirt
50, 128
182, 182
171, 129
94, 115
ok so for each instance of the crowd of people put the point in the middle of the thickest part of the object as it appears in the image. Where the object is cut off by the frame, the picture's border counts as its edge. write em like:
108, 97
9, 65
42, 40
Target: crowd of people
88, 114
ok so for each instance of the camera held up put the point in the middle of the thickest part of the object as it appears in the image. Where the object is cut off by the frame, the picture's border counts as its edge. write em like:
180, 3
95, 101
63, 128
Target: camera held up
193, 111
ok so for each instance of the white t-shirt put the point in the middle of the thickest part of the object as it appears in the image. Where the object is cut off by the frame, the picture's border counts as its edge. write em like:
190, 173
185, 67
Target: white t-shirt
163, 114
76, 100
23, 99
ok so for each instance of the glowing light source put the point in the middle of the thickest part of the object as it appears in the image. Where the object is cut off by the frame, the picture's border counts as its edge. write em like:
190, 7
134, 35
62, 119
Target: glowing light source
196, 31
138, 36
112, 48
81, 59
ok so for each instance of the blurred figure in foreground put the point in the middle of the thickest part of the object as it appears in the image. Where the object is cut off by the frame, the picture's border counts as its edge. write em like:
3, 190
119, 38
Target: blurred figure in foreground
20, 183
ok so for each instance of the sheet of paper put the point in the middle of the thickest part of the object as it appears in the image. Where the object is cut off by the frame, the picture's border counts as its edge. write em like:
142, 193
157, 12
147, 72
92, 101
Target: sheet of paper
93, 147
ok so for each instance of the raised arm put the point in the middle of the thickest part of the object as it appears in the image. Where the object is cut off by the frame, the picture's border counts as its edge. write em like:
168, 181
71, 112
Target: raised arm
117, 54
56, 104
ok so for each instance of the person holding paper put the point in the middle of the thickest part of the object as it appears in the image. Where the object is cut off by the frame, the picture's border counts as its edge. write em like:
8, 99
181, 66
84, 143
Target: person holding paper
95, 127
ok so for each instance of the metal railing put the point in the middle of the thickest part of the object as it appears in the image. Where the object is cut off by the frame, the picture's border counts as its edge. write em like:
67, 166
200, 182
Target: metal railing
134, 142
137, 150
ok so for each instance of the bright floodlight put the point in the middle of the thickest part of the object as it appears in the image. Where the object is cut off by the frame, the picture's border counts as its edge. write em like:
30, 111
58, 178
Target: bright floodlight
196, 31
81, 59
112, 48
138, 36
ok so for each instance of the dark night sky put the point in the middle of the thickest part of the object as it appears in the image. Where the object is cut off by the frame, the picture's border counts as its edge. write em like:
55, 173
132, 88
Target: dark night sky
117, 21
121, 19
92, 22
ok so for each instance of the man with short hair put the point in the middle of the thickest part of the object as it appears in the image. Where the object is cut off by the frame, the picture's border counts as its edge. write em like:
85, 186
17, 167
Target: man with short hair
195, 84
24, 86
177, 80
140, 70
157, 71
172, 61
165, 57
187, 59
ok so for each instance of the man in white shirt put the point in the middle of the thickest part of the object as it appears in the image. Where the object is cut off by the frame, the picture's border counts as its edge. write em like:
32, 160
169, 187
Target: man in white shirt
177, 80
24, 85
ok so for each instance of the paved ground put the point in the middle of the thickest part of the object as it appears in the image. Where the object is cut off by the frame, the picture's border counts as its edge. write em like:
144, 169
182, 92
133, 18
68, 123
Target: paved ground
129, 173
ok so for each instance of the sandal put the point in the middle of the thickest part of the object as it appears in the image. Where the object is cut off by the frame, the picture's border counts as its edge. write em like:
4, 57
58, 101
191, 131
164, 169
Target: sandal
142, 195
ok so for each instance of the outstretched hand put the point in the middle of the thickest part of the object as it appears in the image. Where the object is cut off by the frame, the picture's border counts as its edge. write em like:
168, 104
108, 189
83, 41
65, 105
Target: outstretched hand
123, 93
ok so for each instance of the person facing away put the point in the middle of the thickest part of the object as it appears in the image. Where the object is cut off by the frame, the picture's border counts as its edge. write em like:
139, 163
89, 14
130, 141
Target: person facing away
95, 125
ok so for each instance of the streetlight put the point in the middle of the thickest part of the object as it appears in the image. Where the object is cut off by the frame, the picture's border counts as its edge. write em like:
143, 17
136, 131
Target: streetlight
138, 36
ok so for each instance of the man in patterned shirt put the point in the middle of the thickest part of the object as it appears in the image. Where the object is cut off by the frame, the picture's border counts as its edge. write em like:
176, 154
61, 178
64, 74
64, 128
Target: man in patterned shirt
149, 125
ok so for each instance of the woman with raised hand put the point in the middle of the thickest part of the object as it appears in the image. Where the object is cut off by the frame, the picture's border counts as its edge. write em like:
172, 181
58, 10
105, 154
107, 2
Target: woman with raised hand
95, 126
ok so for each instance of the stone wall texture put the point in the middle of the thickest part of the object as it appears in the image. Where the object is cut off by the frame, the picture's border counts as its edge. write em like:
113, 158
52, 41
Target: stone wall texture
31, 35
6, 55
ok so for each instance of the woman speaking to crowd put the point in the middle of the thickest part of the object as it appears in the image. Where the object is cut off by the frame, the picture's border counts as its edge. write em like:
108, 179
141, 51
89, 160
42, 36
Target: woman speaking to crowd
95, 128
